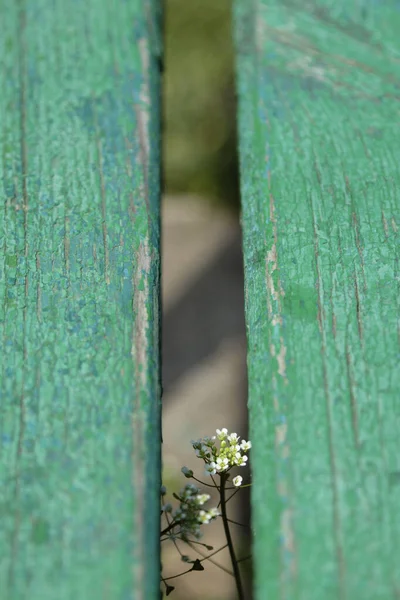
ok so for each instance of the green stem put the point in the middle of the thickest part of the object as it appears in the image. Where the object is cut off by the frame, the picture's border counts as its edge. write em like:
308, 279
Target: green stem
203, 483
168, 529
214, 562
179, 575
235, 565
244, 558
237, 523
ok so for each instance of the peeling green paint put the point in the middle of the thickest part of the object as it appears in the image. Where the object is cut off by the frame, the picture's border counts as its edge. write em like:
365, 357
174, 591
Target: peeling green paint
318, 87
79, 300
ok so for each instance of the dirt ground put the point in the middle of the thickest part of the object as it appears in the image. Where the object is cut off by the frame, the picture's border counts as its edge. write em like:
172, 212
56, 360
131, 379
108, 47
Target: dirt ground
204, 371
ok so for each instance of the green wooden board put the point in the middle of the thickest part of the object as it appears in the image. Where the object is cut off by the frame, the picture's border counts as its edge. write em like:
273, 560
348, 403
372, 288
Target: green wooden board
79, 300
319, 111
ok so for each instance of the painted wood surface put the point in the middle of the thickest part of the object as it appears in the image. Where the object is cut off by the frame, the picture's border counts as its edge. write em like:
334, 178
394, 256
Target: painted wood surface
79, 298
319, 112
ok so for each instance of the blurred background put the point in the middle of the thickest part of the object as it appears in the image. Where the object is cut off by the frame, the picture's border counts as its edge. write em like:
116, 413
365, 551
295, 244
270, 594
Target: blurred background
200, 155
204, 348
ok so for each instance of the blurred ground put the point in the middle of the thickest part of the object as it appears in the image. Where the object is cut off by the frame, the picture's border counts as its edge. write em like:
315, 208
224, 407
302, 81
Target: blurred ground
204, 369
204, 372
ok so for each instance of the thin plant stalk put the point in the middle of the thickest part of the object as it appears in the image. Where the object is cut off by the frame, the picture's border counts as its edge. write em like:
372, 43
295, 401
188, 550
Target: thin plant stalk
235, 565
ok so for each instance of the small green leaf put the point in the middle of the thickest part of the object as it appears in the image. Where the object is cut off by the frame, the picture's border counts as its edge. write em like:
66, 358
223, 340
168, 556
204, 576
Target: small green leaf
169, 589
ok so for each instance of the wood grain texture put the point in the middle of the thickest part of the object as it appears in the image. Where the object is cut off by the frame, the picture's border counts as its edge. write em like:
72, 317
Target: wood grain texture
319, 110
79, 298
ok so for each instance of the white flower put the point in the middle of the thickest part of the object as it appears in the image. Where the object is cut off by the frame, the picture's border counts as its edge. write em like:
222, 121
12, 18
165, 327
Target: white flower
241, 462
202, 499
204, 517
237, 481
245, 446
209, 441
222, 433
163, 490
211, 469
233, 438
222, 464
167, 508
202, 451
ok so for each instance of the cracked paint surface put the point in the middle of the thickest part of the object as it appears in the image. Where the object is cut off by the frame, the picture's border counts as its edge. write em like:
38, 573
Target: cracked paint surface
79, 300
318, 131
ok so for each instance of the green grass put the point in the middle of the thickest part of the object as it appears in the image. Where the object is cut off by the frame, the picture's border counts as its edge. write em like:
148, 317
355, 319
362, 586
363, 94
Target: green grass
199, 100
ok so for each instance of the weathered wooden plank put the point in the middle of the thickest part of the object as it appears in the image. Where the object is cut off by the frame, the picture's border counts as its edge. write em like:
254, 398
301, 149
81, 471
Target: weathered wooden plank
319, 110
79, 290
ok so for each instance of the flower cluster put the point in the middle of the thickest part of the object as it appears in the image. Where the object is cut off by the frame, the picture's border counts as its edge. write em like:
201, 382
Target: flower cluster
230, 453
190, 514
219, 454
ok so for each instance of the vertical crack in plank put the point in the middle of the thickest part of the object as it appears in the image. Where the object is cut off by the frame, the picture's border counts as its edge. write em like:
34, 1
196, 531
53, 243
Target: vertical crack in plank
275, 294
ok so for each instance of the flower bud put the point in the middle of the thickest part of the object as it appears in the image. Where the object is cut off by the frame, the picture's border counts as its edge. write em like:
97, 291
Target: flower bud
187, 472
